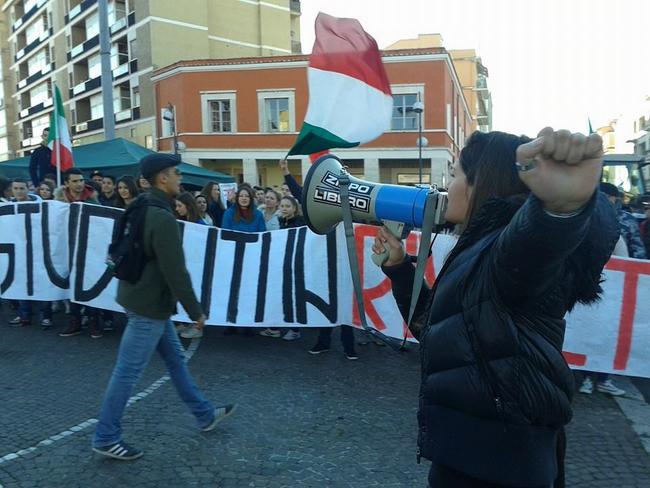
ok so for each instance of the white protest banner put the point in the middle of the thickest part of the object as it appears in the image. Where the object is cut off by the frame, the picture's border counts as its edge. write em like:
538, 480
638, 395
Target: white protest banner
288, 278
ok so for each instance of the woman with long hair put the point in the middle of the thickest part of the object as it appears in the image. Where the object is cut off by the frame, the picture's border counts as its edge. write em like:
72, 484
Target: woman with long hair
216, 208
535, 235
45, 191
270, 209
243, 215
202, 206
186, 209
127, 191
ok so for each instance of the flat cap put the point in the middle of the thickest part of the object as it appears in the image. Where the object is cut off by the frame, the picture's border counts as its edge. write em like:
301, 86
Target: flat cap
157, 162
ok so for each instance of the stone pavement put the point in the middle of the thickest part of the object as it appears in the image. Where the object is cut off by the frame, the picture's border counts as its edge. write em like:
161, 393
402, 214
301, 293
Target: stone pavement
303, 421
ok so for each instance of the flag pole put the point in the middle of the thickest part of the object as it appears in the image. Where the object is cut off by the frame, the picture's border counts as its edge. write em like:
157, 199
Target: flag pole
57, 135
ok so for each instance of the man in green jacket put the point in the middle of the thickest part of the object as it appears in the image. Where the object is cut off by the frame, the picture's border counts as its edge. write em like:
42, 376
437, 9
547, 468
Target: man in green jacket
149, 304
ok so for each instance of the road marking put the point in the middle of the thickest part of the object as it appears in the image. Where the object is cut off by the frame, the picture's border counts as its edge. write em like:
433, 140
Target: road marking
189, 352
635, 409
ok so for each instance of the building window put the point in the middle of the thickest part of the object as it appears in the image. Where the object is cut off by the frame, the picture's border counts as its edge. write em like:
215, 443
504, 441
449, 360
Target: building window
276, 110
220, 116
404, 96
135, 96
39, 94
219, 112
148, 142
276, 115
94, 66
36, 63
34, 30
404, 117
92, 25
96, 107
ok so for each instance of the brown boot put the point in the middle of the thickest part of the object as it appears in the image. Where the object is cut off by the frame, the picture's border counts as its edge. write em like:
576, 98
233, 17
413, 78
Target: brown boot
95, 328
73, 328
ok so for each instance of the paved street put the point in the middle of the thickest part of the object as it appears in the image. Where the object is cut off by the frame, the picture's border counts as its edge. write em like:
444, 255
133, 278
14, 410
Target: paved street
303, 421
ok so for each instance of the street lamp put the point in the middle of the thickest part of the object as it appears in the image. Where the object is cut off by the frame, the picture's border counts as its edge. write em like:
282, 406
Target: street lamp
418, 108
170, 115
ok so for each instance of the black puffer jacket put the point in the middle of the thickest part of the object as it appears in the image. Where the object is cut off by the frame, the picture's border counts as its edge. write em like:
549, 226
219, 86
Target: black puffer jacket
496, 389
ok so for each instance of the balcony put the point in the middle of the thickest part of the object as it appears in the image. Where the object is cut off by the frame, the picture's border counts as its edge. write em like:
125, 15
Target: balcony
83, 47
35, 77
87, 126
85, 86
119, 25
27, 15
79, 9
133, 66
36, 108
33, 45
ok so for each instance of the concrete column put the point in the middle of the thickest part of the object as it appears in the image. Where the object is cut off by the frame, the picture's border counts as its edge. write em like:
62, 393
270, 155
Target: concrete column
439, 172
250, 171
305, 164
371, 169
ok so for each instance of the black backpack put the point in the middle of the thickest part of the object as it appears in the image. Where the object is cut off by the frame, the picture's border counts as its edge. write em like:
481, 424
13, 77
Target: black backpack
126, 258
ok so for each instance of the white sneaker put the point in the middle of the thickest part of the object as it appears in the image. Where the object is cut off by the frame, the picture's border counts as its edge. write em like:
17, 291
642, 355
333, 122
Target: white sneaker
609, 388
192, 333
587, 386
271, 333
292, 335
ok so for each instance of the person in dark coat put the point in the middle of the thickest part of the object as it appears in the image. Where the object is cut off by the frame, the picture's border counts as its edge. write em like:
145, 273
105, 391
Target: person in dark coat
40, 162
535, 235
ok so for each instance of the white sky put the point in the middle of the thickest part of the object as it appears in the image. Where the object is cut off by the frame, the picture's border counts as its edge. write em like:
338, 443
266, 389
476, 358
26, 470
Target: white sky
551, 62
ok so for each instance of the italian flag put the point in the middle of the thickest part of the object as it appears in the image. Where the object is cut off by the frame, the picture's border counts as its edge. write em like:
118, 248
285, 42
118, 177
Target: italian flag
59, 140
350, 101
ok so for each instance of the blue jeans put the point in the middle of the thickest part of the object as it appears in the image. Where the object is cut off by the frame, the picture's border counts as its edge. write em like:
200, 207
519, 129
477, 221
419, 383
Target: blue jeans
25, 309
141, 337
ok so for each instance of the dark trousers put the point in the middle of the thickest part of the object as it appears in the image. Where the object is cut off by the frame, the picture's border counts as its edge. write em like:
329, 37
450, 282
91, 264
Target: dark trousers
75, 311
443, 477
25, 309
347, 337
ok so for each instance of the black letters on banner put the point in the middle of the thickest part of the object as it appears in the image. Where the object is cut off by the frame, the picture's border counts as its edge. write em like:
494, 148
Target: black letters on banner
302, 294
208, 270
28, 209
287, 277
55, 278
240, 239
263, 277
87, 211
10, 251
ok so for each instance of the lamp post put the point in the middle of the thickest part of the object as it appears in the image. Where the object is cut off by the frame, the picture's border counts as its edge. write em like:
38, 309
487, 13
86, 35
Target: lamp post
418, 108
170, 115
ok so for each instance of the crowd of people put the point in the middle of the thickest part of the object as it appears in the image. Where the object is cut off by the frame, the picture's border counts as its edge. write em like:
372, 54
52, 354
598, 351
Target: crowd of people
249, 208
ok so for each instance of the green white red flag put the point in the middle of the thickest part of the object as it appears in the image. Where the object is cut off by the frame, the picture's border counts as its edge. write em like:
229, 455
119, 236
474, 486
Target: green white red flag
59, 139
350, 100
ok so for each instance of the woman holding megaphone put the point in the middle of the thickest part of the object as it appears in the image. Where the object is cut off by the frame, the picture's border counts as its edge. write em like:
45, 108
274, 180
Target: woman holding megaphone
535, 236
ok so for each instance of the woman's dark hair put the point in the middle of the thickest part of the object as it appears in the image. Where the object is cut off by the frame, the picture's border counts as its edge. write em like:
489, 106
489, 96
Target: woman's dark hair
5, 185
488, 161
131, 185
294, 204
207, 193
251, 206
46, 183
187, 199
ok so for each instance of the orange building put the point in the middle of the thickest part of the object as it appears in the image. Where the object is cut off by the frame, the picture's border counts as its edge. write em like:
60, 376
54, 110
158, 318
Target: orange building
240, 116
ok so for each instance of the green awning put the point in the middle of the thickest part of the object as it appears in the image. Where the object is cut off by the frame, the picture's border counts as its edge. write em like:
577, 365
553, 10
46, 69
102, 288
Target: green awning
117, 157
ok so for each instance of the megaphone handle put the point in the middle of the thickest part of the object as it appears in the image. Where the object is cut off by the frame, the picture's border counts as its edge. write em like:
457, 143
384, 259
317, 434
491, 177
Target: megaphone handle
394, 228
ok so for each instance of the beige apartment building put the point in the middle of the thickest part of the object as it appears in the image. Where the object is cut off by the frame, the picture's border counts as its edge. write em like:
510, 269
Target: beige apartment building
57, 41
471, 73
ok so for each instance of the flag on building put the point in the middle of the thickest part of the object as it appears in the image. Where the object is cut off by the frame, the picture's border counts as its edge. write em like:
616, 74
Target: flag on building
59, 139
591, 130
350, 101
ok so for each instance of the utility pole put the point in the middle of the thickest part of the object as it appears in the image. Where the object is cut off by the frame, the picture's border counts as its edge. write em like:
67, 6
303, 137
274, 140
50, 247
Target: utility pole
107, 74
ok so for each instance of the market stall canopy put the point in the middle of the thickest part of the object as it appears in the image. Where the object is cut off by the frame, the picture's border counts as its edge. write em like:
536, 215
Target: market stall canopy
116, 157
